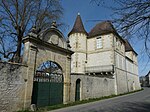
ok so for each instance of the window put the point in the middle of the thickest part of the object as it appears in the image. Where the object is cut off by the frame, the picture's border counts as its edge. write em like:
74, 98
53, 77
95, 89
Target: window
76, 44
76, 63
99, 42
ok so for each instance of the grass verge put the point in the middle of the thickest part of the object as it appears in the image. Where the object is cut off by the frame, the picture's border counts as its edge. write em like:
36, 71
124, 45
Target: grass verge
48, 108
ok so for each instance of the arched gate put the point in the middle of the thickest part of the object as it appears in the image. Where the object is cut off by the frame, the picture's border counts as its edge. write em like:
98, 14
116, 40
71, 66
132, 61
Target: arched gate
48, 85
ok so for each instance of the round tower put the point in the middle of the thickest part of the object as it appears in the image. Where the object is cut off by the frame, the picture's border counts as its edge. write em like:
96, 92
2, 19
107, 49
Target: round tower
78, 43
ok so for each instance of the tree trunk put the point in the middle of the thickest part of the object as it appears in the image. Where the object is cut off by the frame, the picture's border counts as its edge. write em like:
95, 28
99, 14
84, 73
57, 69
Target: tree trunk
17, 55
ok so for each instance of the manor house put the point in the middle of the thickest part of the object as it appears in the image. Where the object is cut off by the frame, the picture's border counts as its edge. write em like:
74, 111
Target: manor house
103, 62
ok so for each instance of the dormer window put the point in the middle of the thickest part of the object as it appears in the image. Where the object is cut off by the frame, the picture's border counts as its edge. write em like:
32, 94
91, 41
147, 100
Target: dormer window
99, 42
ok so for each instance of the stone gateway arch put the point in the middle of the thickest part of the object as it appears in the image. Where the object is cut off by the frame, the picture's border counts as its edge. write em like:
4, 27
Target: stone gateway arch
51, 46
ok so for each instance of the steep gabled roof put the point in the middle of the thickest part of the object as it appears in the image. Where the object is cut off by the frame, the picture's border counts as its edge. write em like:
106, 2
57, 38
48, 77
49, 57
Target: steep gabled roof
78, 26
102, 28
128, 47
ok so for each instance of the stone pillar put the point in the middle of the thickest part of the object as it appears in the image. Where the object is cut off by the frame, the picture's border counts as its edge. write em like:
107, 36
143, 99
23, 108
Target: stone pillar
67, 81
29, 58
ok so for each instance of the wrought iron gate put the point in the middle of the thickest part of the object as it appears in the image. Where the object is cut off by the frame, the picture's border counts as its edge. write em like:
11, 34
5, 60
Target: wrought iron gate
47, 88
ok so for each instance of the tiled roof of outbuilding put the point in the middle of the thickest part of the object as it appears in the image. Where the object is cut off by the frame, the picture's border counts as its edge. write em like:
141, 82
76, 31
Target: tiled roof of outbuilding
78, 26
102, 28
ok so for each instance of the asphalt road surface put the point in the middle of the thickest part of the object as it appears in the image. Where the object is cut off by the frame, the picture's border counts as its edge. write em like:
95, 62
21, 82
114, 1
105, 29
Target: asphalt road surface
135, 102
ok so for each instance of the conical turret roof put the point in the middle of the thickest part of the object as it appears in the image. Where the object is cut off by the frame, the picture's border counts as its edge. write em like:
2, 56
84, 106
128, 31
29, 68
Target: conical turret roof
78, 26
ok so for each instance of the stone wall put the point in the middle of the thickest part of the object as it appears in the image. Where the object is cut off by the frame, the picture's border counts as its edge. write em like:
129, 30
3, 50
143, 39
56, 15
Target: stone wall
12, 84
79, 45
121, 78
92, 86
133, 82
126, 81
100, 56
107, 42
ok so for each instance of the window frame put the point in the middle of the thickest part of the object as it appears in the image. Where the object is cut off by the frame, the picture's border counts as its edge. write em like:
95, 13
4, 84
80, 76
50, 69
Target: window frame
99, 43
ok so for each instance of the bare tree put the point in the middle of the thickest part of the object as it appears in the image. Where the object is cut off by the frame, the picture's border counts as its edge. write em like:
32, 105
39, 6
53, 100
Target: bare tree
18, 16
131, 18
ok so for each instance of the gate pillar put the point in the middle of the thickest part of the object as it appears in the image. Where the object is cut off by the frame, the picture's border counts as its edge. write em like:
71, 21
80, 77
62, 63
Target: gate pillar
67, 81
29, 58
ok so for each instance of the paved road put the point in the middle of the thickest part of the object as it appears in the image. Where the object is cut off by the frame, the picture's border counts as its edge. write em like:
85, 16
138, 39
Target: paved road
136, 102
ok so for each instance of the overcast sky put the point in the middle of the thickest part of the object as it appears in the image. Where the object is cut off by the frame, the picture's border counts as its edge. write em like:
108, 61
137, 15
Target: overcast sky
89, 13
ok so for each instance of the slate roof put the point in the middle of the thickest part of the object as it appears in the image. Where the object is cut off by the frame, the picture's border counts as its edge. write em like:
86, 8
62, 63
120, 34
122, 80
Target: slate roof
78, 26
102, 28
128, 47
